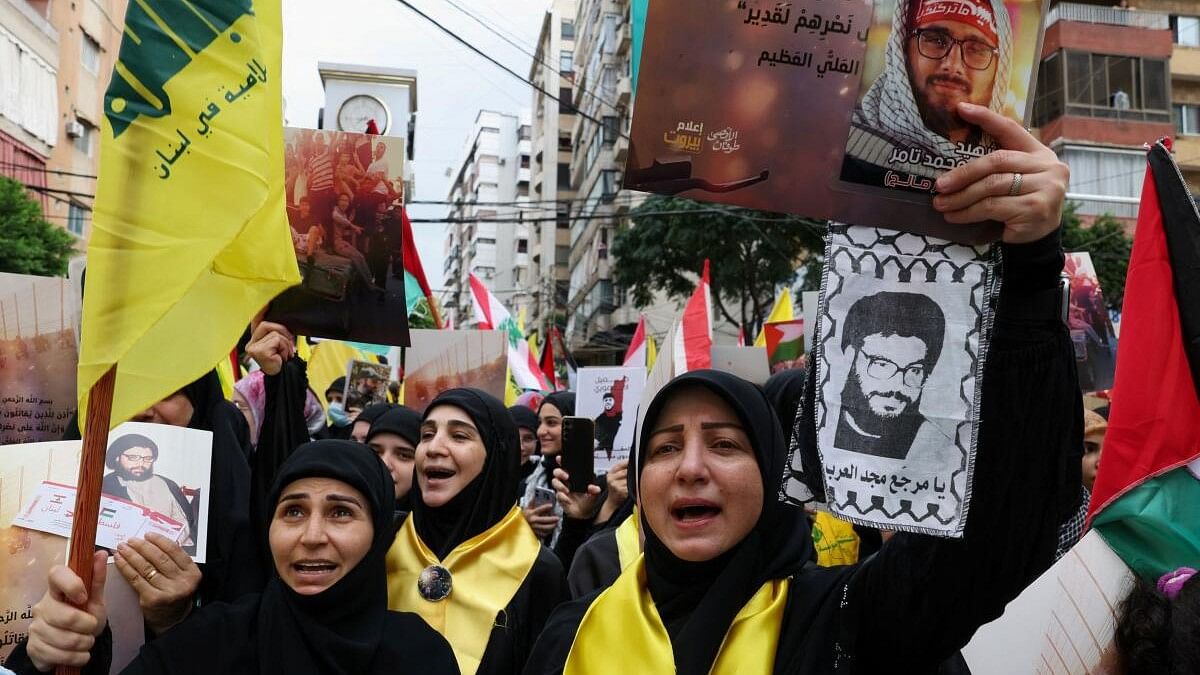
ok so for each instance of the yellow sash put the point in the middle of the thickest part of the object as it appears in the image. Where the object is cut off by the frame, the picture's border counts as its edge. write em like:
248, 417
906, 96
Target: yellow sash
629, 544
486, 572
835, 539
622, 632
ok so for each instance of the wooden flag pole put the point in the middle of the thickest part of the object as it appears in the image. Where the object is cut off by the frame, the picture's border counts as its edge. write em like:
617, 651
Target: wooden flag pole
87, 494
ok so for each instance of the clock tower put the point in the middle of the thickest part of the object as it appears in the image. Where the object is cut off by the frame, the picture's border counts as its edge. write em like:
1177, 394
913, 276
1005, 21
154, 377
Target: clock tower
355, 94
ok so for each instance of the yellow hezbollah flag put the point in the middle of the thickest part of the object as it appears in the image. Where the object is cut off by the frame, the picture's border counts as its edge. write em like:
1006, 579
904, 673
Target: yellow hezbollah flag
782, 311
190, 237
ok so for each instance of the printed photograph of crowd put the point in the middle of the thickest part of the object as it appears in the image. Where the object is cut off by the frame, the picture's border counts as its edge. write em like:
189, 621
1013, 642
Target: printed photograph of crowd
345, 195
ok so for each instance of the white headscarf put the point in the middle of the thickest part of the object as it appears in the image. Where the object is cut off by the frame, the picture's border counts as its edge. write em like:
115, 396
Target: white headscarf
888, 117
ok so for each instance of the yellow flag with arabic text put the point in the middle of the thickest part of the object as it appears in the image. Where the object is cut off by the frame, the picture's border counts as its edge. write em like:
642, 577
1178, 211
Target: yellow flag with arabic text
190, 237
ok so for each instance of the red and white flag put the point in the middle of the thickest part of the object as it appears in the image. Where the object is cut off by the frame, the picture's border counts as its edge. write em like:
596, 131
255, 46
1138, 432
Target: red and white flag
637, 353
491, 315
693, 340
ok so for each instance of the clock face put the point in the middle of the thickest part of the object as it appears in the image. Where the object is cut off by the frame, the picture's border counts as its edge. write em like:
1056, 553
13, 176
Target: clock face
357, 110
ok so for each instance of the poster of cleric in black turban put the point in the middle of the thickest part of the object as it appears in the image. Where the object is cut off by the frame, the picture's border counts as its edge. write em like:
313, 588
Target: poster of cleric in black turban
902, 337
924, 58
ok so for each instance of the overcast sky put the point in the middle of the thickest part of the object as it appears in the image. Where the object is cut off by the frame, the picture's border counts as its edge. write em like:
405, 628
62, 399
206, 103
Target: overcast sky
453, 83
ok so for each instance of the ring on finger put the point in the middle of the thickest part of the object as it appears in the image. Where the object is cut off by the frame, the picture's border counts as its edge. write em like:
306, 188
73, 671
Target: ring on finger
1015, 189
153, 572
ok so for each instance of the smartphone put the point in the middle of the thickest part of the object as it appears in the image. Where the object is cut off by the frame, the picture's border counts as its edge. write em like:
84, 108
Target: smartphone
543, 496
578, 448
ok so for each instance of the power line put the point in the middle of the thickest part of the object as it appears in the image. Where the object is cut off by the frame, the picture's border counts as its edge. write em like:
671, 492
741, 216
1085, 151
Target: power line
503, 67
31, 167
533, 56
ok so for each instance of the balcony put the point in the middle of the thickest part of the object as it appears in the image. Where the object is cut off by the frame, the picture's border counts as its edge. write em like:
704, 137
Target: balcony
1109, 16
621, 149
624, 90
624, 37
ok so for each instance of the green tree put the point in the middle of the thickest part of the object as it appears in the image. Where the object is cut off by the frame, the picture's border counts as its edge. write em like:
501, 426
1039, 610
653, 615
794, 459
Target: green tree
1108, 245
28, 243
752, 253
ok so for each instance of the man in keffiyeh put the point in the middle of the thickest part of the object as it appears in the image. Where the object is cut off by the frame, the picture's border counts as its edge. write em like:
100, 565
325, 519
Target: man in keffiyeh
940, 53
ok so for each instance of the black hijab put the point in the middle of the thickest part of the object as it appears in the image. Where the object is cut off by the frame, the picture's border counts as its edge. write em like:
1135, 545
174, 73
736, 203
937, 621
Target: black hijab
563, 400
346, 628
784, 390
488, 498
405, 423
698, 600
339, 629
373, 412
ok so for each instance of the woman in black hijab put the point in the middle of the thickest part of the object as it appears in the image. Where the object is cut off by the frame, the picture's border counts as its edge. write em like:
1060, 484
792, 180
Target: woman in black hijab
723, 583
394, 436
465, 559
324, 610
527, 427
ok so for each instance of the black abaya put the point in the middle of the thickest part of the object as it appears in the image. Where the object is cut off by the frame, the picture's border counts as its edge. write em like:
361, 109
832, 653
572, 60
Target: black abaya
920, 599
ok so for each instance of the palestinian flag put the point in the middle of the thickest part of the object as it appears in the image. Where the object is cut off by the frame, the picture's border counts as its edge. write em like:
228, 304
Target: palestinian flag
417, 293
784, 340
1147, 499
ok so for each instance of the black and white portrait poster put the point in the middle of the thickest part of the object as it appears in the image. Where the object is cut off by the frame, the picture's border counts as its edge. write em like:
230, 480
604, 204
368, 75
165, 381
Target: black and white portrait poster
902, 337
611, 397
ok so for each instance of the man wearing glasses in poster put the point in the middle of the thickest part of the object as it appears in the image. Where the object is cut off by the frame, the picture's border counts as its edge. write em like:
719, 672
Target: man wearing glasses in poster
940, 53
132, 458
880, 403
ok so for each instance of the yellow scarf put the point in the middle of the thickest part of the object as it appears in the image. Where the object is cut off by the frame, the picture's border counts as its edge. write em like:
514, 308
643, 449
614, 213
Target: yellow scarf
486, 572
622, 632
629, 544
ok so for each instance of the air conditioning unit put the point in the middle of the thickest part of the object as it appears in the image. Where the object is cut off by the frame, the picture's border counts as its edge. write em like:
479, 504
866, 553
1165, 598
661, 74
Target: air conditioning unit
74, 129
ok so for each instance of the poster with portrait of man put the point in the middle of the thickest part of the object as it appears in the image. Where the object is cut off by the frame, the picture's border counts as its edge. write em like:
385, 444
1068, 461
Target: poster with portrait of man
610, 397
923, 58
798, 106
166, 469
902, 336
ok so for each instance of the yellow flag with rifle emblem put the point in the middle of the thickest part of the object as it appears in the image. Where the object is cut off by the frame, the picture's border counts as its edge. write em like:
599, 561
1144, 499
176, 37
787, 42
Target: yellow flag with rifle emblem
190, 237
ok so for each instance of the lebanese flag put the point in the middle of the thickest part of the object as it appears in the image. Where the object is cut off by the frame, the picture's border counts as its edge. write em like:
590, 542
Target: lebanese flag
1147, 497
742, 337
693, 340
491, 315
636, 355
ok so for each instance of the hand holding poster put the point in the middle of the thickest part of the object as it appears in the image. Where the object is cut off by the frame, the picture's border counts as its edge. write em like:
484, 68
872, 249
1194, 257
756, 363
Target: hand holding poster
827, 113
611, 397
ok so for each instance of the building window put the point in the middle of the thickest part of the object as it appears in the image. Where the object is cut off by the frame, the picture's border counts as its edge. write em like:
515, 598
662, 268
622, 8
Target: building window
564, 175
522, 246
485, 241
564, 140
1102, 85
89, 53
611, 128
1187, 119
562, 219
524, 161
568, 30
83, 142
75, 217
608, 34
562, 255
1186, 30
525, 132
566, 61
608, 184
565, 107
